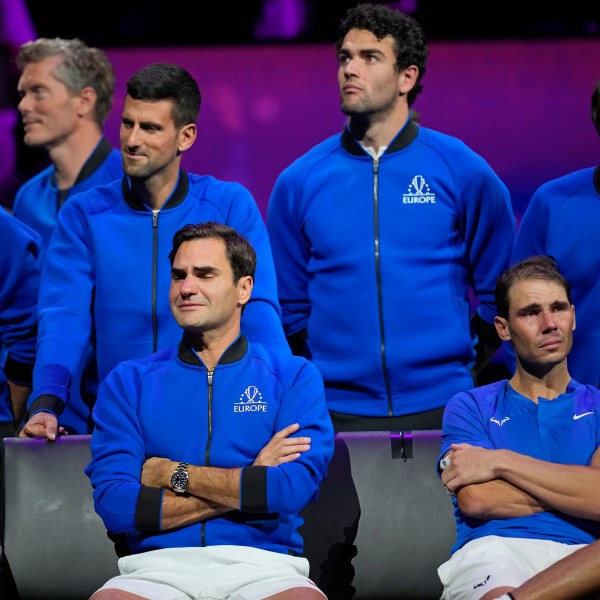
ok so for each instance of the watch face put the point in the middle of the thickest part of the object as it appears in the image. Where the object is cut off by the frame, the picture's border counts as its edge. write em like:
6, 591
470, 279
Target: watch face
179, 481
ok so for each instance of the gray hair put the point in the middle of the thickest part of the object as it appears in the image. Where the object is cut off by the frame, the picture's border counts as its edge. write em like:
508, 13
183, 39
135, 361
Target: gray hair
81, 67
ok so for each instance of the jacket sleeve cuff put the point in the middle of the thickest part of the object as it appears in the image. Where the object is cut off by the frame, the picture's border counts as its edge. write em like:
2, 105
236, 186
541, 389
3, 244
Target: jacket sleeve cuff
47, 402
18, 372
253, 487
148, 508
50, 380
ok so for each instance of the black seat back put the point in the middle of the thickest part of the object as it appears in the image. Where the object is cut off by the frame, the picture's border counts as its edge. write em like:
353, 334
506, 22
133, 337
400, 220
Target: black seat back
55, 545
383, 522
380, 528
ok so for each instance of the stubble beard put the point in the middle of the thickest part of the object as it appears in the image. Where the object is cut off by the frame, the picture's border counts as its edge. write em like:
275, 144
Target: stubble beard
359, 109
138, 171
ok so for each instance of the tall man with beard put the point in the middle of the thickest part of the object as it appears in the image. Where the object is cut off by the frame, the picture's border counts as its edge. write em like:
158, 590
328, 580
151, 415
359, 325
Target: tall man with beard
379, 233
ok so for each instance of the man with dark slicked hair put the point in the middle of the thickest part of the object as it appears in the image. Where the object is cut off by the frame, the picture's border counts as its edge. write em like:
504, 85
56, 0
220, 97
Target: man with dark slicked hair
104, 277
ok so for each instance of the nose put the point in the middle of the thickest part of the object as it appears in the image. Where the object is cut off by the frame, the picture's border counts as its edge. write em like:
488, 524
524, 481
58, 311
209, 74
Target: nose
548, 322
187, 288
348, 67
23, 105
129, 136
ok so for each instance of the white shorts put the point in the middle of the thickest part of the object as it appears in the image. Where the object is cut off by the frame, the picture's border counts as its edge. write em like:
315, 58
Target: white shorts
232, 572
493, 561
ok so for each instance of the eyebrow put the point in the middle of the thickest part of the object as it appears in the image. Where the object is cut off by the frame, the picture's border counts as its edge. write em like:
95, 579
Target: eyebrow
196, 270
362, 52
128, 119
151, 124
537, 306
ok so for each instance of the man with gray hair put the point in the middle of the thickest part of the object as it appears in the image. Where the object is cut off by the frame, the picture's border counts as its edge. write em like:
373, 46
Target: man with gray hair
102, 277
66, 91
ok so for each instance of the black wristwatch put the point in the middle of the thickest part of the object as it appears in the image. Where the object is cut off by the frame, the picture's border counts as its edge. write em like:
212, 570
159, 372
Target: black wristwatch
180, 478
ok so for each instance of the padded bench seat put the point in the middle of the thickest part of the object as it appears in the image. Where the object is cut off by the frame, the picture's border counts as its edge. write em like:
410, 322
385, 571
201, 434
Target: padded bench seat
380, 528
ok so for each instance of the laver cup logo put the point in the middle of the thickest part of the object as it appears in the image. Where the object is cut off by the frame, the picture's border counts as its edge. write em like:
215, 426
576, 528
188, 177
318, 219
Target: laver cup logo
418, 192
250, 401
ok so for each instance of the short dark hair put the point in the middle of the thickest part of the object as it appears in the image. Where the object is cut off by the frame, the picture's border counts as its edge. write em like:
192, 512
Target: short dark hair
409, 39
240, 253
81, 66
166, 81
534, 267
596, 106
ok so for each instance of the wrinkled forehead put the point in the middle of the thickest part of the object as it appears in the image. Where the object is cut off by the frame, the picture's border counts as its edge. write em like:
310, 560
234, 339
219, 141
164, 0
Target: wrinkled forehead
209, 250
543, 292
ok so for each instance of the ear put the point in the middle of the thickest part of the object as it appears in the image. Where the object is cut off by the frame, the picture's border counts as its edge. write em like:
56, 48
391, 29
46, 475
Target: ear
502, 328
86, 101
187, 136
573, 309
245, 285
407, 78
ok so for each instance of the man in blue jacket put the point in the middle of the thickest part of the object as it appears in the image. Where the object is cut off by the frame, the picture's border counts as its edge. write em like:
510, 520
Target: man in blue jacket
103, 277
379, 233
205, 452
66, 92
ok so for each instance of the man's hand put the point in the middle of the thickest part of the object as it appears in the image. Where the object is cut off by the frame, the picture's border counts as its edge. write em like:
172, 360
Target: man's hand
157, 472
469, 464
282, 448
42, 424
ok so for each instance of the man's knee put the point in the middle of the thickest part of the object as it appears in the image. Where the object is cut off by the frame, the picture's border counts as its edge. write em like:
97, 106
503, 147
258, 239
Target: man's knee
114, 594
299, 593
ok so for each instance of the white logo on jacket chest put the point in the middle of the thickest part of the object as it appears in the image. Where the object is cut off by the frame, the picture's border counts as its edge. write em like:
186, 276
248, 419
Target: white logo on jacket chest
418, 192
250, 401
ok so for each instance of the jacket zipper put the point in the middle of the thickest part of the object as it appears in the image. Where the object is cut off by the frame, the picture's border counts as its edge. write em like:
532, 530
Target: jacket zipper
386, 375
154, 277
209, 378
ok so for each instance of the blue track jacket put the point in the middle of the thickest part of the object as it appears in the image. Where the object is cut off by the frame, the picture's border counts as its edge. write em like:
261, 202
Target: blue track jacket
37, 200
107, 277
168, 405
376, 260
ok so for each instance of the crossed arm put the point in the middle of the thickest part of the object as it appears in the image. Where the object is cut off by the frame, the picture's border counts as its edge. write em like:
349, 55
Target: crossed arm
499, 484
213, 491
